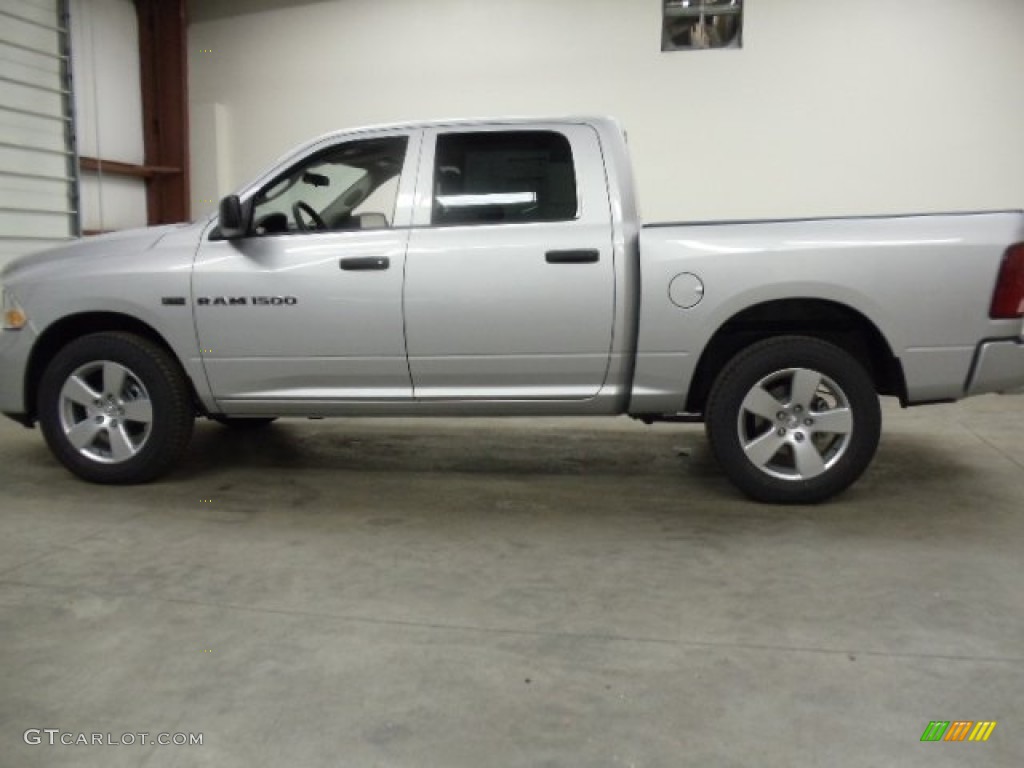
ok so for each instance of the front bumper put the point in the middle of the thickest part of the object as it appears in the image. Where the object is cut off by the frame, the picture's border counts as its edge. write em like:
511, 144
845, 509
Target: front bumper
998, 367
15, 349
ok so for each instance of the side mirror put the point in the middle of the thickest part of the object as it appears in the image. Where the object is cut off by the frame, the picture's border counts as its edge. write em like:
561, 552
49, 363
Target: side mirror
234, 218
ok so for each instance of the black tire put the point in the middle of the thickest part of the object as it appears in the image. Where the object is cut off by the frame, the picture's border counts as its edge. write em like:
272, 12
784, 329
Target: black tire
134, 380
773, 459
244, 424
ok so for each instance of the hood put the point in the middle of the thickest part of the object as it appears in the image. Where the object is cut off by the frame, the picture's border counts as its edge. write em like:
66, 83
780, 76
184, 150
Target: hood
95, 248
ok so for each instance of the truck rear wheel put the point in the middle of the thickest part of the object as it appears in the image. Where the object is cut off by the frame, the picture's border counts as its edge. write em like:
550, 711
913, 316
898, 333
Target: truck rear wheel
793, 420
115, 408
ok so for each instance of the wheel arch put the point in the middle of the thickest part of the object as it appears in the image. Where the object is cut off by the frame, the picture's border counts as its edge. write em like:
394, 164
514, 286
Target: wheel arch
823, 319
71, 327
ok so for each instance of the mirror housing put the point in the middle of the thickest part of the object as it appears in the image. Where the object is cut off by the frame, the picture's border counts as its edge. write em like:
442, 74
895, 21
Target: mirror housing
233, 218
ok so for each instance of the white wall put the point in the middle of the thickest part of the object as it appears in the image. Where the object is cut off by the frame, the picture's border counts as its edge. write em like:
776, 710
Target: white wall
831, 107
209, 142
108, 109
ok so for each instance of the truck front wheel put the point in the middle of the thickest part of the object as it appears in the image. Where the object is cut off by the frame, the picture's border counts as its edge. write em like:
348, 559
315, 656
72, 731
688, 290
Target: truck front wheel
793, 420
115, 408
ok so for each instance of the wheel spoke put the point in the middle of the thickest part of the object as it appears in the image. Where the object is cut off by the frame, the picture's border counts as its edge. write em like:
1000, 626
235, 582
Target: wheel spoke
83, 434
838, 421
113, 379
787, 410
761, 403
140, 411
104, 412
761, 450
77, 391
808, 461
121, 447
805, 385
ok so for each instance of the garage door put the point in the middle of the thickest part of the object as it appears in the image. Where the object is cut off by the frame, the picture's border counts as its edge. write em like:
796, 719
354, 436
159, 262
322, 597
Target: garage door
37, 169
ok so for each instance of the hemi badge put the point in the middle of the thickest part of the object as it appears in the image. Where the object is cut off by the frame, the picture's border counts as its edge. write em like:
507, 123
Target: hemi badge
173, 301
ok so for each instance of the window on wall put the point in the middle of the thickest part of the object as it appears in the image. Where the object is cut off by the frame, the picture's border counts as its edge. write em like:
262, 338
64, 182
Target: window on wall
503, 178
689, 25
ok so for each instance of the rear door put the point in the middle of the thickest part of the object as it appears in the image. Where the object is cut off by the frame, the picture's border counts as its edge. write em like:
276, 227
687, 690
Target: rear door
510, 282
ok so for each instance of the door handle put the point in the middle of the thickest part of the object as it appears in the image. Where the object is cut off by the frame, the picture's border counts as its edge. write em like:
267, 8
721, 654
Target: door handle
365, 263
584, 256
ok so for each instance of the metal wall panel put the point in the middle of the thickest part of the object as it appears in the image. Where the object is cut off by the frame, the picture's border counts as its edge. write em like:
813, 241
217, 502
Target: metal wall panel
38, 188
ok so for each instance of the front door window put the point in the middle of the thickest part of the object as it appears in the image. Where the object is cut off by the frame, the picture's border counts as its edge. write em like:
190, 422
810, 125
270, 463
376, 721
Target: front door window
352, 186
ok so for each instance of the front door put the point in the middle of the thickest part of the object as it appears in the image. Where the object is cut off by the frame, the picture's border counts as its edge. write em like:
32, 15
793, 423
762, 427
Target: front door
510, 282
306, 311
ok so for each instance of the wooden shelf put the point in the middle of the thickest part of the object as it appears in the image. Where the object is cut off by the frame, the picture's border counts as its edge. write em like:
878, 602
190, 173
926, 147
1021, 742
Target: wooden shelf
131, 170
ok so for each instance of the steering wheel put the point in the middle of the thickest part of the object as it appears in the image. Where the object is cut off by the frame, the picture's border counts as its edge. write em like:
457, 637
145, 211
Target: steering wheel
301, 207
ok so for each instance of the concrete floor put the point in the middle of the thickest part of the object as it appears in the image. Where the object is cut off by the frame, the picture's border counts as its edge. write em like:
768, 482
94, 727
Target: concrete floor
480, 593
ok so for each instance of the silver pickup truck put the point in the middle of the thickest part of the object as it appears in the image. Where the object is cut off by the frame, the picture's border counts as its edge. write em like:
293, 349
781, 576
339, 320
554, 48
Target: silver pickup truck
501, 268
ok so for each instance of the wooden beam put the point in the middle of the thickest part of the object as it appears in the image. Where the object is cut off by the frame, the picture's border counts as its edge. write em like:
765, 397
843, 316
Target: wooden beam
117, 168
164, 70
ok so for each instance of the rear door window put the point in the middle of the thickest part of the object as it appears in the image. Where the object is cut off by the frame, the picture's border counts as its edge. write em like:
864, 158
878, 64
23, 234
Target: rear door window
503, 177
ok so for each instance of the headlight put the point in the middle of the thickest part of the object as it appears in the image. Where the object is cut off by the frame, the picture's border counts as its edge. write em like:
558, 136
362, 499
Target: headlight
14, 317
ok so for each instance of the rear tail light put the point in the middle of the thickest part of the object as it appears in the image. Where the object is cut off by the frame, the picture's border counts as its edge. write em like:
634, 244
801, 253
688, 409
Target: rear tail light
1008, 299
